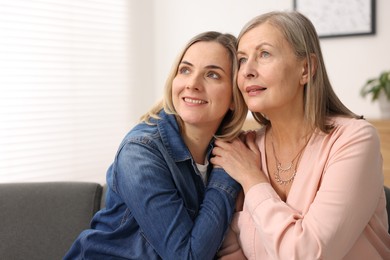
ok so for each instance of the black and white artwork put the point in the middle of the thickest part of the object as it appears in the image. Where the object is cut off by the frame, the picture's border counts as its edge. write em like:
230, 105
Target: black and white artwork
335, 18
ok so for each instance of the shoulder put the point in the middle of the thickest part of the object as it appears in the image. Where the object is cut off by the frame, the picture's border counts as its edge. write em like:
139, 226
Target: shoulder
162, 134
141, 135
352, 130
145, 132
343, 125
260, 132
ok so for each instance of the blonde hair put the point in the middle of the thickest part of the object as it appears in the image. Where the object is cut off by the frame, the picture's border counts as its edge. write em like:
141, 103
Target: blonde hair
320, 100
234, 119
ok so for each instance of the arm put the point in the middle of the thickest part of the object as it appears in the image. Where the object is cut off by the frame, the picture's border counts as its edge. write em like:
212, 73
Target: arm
148, 189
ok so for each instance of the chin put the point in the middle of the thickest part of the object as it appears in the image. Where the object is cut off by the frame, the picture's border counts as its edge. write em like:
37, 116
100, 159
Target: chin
191, 119
254, 107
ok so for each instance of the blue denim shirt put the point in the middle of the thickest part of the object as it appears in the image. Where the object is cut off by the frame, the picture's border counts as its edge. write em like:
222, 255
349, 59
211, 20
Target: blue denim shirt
157, 206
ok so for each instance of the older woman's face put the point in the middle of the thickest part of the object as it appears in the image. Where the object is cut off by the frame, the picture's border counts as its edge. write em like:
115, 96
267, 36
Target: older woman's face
270, 76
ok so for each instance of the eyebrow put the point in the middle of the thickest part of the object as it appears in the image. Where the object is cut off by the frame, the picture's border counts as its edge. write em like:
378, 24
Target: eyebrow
208, 66
257, 47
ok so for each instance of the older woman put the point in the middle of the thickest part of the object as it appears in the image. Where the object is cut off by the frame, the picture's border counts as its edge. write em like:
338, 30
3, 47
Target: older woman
312, 175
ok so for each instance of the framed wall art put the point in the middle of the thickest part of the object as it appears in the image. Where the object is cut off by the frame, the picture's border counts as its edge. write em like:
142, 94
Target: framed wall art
335, 18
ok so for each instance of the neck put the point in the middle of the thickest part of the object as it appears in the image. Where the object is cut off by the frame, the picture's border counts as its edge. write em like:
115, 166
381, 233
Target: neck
289, 125
197, 141
289, 138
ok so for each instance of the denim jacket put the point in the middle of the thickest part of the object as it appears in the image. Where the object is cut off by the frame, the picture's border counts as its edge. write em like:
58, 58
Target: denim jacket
157, 206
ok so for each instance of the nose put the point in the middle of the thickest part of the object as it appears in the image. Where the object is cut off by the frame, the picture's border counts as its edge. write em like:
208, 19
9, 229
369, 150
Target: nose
194, 82
249, 69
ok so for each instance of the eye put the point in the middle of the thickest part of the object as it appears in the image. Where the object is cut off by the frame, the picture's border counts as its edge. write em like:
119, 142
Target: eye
241, 60
213, 75
184, 70
265, 54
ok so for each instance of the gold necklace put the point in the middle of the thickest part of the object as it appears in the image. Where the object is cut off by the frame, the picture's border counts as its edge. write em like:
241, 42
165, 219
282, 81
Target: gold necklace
291, 166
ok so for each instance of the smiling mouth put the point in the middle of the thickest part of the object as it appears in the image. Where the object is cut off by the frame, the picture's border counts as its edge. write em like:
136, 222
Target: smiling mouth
194, 101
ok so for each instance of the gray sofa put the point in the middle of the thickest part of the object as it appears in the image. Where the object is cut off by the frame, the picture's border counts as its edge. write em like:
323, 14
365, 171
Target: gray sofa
41, 220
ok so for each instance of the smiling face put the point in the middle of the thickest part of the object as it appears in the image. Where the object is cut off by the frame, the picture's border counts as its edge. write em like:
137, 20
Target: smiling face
202, 87
270, 76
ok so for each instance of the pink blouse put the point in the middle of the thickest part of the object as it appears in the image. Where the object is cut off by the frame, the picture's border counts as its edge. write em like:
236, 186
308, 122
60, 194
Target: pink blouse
336, 208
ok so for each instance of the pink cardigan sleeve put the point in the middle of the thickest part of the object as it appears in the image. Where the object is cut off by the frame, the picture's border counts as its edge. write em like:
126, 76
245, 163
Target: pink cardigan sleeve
347, 198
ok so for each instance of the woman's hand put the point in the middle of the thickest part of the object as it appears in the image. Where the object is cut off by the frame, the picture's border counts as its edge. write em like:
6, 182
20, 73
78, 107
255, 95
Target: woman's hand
240, 159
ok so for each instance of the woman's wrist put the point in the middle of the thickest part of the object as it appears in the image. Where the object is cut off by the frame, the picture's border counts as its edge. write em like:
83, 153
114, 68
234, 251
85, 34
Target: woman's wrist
248, 183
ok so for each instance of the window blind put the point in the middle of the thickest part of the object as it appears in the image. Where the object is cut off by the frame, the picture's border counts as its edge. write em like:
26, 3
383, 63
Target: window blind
64, 88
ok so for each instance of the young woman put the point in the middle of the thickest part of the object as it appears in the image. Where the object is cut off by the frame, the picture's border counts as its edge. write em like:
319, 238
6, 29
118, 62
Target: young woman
312, 175
164, 200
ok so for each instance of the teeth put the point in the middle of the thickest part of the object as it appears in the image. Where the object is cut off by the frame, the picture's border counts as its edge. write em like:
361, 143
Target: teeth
194, 101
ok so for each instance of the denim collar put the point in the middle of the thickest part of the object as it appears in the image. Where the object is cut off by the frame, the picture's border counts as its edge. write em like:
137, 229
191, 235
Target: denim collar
172, 139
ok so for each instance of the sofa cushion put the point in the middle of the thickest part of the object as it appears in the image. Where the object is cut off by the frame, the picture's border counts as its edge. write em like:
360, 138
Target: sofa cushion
41, 220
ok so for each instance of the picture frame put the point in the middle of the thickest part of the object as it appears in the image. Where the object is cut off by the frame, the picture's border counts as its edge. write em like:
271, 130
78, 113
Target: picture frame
334, 18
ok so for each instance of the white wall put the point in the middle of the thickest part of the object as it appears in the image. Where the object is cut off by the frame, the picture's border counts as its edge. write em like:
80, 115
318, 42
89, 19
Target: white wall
350, 60
157, 30
142, 58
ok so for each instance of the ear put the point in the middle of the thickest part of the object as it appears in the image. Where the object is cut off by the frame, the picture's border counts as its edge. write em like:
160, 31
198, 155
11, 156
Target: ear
306, 68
